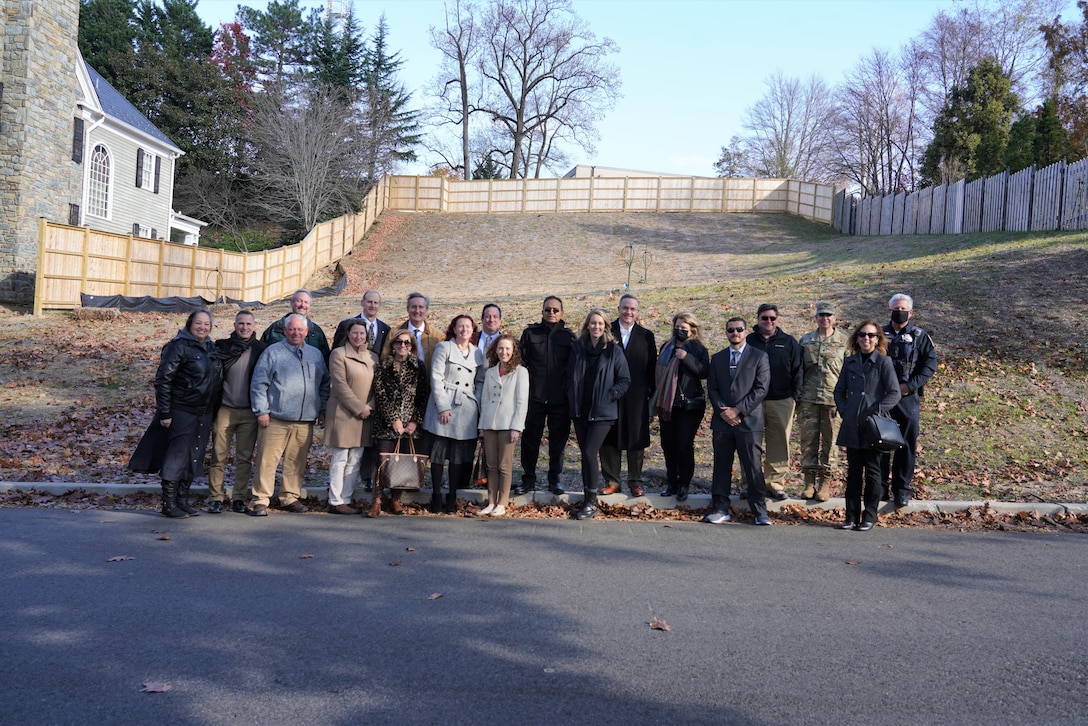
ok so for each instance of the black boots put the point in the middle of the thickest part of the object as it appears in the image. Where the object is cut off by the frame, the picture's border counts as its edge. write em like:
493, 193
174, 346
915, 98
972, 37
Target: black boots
170, 501
183, 498
588, 510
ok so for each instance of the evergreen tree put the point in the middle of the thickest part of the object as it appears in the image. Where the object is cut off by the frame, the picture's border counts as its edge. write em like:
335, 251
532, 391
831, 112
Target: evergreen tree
107, 36
390, 128
279, 36
972, 130
1051, 139
1019, 152
337, 55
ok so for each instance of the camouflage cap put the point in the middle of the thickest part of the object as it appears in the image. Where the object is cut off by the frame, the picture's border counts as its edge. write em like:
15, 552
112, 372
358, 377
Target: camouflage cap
825, 307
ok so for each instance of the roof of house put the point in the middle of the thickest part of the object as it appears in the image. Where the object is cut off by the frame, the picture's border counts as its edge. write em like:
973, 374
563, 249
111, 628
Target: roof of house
115, 105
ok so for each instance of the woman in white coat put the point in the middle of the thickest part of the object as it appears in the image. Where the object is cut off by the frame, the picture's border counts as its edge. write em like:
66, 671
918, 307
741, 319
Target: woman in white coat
453, 411
504, 402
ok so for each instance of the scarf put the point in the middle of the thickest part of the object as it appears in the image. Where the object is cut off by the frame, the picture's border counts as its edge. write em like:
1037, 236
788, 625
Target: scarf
666, 376
229, 350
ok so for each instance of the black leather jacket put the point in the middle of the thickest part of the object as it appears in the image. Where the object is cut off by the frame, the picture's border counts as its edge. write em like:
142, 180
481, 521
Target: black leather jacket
189, 377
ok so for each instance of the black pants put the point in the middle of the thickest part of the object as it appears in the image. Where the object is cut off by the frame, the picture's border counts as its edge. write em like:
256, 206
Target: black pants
898, 468
863, 484
744, 445
678, 445
591, 435
611, 459
557, 418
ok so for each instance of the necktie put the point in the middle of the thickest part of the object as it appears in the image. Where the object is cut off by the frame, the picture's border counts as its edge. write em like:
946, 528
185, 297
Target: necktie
369, 335
419, 343
733, 357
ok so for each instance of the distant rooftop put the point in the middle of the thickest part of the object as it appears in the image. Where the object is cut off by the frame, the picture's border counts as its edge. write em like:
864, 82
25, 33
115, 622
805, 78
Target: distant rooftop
583, 171
117, 106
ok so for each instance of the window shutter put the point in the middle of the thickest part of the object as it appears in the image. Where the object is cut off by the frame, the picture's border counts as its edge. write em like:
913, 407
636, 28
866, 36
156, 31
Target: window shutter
135, 229
73, 215
77, 141
139, 167
158, 163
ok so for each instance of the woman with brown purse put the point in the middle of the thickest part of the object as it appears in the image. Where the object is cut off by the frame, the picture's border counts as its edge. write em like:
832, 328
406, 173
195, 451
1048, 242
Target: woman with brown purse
401, 390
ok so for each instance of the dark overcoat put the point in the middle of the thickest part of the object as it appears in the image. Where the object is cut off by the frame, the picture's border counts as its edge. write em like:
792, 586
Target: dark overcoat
632, 429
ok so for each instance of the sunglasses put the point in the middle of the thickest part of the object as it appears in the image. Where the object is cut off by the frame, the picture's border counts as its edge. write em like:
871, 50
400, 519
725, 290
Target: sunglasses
768, 317
868, 335
734, 330
552, 310
402, 341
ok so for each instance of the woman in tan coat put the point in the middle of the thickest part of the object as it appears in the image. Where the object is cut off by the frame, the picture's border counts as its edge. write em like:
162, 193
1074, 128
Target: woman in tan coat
347, 416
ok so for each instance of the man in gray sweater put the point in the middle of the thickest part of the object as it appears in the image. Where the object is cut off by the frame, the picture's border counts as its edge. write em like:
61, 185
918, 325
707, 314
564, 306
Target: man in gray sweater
288, 394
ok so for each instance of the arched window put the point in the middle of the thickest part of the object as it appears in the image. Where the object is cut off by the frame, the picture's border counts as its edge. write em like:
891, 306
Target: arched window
98, 183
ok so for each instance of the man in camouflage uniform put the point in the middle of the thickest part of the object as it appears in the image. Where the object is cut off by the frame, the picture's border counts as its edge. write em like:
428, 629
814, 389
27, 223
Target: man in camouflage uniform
822, 353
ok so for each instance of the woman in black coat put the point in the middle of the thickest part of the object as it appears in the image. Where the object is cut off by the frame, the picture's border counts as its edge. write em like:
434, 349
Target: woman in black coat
187, 386
597, 377
867, 385
682, 365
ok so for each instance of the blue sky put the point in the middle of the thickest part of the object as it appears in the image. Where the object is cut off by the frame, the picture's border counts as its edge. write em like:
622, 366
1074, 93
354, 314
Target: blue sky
689, 67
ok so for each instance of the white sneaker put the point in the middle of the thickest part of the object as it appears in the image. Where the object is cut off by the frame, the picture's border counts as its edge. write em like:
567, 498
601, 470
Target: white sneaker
499, 511
488, 509
717, 518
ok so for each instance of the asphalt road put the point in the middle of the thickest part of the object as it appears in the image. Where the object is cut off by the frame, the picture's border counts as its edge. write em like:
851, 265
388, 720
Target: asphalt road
539, 622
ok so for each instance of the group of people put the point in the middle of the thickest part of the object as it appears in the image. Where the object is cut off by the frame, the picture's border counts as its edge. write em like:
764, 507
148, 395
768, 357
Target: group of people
474, 393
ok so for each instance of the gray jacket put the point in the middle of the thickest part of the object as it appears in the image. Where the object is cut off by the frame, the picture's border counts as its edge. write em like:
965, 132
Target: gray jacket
504, 401
289, 383
455, 386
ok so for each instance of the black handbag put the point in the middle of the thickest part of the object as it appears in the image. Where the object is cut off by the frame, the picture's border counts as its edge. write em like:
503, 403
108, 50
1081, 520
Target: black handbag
883, 434
399, 470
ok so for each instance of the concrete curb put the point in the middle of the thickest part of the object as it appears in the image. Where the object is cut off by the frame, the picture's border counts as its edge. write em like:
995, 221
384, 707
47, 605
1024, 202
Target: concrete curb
652, 501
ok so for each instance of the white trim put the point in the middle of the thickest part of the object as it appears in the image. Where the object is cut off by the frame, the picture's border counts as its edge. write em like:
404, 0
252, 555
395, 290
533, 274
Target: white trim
111, 180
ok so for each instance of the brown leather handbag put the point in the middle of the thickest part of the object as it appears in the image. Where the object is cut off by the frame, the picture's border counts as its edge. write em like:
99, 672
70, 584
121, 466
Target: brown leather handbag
402, 470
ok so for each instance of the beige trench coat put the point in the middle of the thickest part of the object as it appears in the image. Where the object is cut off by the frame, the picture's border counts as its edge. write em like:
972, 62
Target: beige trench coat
352, 374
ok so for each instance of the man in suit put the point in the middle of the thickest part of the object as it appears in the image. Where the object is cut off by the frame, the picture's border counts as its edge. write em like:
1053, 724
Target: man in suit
301, 302
490, 327
739, 379
632, 430
376, 330
425, 334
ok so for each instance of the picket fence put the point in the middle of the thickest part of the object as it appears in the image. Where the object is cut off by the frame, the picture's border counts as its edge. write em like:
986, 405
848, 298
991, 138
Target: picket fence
1053, 198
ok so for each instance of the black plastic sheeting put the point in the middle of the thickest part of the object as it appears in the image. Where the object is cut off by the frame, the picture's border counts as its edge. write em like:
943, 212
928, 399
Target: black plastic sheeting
148, 304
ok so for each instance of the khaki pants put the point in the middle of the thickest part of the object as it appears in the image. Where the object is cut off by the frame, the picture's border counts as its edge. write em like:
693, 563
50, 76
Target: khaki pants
499, 451
241, 425
291, 440
778, 423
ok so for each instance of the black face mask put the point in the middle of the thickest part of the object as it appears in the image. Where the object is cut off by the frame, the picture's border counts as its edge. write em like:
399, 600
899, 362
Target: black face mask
679, 334
900, 316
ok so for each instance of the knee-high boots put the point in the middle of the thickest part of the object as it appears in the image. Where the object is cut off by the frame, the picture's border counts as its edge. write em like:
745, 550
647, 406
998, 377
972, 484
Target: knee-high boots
170, 500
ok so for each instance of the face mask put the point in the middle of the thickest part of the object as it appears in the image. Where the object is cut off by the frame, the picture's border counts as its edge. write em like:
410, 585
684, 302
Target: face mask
680, 334
900, 316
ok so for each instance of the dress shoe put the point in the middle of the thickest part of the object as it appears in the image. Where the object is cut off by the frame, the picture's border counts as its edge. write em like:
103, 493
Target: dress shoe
556, 489
717, 517
588, 510
779, 495
670, 490
763, 521
610, 489
295, 507
258, 510
342, 509
637, 491
863, 527
848, 524
397, 507
901, 500
499, 511
215, 506
487, 510
520, 489
238, 506
368, 485
682, 493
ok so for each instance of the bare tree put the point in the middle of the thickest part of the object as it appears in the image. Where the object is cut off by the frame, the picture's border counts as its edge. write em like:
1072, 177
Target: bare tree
734, 162
458, 42
542, 67
874, 141
305, 166
790, 128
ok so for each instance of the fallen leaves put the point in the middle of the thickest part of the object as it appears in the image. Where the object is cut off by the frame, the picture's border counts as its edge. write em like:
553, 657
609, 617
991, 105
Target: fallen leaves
657, 623
305, 557
434, 596
396, 563
852, 562
155, 687
121, 558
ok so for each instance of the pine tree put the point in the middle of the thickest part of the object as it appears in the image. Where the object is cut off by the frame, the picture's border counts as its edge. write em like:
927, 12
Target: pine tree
1051, 139
390, 128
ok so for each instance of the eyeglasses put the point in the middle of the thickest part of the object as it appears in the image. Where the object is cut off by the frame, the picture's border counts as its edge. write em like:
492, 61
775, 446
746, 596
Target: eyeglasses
825, 315
768, 317
868, 335
734, 330
553, 310
402, 341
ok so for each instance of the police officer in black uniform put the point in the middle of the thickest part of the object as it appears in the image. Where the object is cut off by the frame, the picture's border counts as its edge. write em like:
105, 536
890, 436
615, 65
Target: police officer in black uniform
915, 359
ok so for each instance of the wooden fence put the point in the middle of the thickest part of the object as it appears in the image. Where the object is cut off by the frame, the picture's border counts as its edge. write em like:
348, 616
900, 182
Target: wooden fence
74, 260
1054, 198
610, 194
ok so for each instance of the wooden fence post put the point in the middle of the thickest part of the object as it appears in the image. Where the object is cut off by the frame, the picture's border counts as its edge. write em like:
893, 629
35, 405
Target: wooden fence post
39, 274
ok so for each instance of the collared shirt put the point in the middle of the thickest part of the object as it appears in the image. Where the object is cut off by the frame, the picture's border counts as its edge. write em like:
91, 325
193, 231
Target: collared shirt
486, 340
418, 332
625, 334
